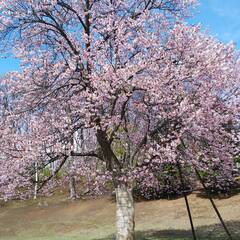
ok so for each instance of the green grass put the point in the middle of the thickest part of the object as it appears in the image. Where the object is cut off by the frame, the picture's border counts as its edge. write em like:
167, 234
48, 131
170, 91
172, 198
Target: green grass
203, 233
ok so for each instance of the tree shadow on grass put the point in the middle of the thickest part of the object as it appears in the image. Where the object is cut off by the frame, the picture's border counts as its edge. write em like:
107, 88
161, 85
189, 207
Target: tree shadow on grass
223, 195
210, 232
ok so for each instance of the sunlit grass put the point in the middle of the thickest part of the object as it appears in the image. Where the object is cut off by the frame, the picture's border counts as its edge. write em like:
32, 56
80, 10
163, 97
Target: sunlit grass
57, 218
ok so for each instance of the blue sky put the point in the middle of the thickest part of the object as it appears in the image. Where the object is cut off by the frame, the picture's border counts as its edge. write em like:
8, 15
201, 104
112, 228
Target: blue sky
221, 18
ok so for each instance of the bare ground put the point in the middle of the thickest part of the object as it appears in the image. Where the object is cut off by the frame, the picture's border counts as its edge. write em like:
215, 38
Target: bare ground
56, 218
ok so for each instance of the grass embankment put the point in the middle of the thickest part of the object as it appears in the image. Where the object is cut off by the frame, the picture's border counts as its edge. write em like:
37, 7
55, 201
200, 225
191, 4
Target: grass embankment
56, 218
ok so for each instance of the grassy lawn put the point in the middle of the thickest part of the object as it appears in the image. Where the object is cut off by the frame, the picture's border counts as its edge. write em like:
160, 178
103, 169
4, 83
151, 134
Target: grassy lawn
56, 218
149, 235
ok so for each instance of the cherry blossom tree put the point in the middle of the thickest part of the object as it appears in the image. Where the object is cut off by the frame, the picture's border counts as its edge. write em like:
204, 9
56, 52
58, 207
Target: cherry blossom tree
150, 88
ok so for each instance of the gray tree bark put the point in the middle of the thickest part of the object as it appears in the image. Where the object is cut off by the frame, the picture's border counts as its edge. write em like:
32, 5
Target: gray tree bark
36, 181
72, 188
125, 214
77, 144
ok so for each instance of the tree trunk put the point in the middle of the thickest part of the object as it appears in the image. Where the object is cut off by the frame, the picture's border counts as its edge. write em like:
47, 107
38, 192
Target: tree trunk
36, 181
125, 214
72, 181
72, 188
